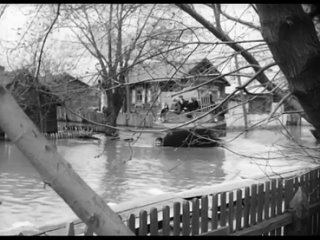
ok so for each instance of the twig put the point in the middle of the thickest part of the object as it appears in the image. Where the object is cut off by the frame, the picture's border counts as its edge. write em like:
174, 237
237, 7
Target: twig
45, 39
278, 105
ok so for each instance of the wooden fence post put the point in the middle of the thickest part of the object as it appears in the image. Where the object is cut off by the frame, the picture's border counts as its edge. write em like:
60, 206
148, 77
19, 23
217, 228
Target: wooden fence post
70, 229
299, 206
56, 172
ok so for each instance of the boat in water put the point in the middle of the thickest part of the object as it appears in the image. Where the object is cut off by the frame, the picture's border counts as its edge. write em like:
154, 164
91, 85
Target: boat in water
188, 130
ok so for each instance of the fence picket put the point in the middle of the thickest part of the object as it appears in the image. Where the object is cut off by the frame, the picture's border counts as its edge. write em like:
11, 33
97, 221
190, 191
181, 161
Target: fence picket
317, 230
296, 184
279, 203
239, 210
70, 229
288, 197
253, 205
313, 199
260, 203
303, 183
314, 186
231, 212
267, 201
88, 231
154, 222
309, 190
273, 202
223, 214
214, 211
186, 218
195, 216
132, 222
143, 223
176, 218
166, 221
246, 210
204, 214
318, 184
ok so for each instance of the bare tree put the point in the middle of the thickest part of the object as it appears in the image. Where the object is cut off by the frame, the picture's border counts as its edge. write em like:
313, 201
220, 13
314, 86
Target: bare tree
118, 36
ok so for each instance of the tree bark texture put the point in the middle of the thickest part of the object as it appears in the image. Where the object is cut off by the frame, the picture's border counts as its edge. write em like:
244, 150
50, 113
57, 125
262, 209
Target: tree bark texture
56, 171
292, 39
115, 102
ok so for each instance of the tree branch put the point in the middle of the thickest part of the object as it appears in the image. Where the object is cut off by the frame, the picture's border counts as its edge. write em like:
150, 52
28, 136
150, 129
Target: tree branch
248, 24
45, 39
262, 78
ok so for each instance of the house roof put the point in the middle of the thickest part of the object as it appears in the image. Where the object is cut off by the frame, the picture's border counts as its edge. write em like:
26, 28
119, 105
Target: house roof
160, 71
66, 86
62, 86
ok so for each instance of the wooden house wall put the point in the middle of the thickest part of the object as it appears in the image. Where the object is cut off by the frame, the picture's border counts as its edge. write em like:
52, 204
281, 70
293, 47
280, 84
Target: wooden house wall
50, 121
260, 104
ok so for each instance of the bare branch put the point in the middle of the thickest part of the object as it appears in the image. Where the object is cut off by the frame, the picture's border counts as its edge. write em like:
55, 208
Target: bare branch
2, 9
239, 20
109, 37
217, 12
134, 43
278, 105
228, 97
262, 78
44, 41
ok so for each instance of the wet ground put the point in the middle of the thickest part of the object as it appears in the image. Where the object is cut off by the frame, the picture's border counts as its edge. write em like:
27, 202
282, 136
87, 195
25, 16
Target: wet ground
120, 170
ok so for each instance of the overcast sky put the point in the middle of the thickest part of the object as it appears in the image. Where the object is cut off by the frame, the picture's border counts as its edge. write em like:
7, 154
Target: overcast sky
13, 25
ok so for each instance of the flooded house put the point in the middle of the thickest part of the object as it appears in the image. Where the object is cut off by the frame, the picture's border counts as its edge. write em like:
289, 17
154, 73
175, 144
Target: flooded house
58, 94
212, 85
258, 107
156, 83
76, 97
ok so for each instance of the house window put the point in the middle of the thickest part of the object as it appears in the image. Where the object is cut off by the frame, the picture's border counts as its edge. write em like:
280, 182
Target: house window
149, 96
260, 105
214, 95
139, 96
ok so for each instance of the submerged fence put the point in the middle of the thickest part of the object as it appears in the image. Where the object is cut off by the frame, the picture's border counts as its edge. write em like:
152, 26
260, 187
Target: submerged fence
276, 207
124, 119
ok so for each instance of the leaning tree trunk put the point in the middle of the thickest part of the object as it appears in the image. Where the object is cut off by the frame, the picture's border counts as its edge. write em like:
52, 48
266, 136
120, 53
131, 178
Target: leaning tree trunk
56, 171
115, 103
292, 39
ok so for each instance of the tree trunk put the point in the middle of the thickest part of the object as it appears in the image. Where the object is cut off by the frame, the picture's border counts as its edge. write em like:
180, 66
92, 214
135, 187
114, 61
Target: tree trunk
115, 103
56, 171
292, 39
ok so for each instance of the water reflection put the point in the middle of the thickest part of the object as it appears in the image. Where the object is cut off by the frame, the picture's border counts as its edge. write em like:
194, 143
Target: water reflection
121, 171
140, 170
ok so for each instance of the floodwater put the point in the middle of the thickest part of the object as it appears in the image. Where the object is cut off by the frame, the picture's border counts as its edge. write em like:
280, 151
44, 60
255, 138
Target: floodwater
121, 171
